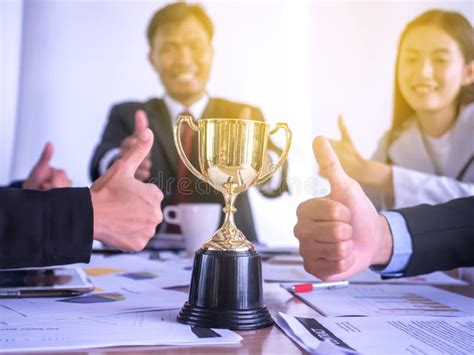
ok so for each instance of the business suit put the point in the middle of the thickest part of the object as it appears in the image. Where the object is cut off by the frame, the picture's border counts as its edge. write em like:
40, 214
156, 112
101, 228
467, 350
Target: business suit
165, 157
442, 236
41, 228
415, 177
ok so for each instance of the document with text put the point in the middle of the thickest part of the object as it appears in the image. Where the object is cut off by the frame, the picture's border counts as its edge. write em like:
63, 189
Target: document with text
380, 335
389, 300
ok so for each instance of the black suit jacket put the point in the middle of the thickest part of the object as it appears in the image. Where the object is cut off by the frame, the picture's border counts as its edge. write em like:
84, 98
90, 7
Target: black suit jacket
442, 236
121, 124
41, 228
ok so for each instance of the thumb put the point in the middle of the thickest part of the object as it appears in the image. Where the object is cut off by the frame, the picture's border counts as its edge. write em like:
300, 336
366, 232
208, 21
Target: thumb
46, 155
343, 129
328, 162
245, 113
134, 157
141, 122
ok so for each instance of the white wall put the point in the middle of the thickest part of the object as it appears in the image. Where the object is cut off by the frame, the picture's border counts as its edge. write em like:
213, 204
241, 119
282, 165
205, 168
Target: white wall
10, 40
301, 62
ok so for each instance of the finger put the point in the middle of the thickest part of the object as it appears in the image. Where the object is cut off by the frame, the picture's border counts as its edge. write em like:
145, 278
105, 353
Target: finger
327, 251
330, 270
323, 209
345, 136
146, 164
323, 232
328, 162
134, 157
59, 178
142, 174
246, 113
141, 122
46, 155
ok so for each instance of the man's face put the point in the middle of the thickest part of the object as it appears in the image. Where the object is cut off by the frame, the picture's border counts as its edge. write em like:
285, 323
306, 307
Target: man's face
181, 54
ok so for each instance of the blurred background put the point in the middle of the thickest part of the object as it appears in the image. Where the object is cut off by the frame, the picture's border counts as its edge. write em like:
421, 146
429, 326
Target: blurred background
64, 62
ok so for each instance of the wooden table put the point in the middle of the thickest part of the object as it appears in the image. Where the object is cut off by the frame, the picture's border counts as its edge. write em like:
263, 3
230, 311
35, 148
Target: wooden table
264, 341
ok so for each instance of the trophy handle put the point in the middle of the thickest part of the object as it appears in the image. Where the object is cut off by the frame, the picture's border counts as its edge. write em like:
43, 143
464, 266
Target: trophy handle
283, 156
179, 146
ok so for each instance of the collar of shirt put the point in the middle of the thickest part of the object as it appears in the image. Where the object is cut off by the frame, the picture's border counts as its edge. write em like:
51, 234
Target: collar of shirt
176, 108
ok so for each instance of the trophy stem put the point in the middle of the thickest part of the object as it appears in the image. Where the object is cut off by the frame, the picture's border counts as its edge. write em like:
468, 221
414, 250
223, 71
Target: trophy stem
228, 237
229, 209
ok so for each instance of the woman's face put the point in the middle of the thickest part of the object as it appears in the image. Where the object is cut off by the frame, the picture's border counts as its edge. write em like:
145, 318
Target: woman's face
431, 69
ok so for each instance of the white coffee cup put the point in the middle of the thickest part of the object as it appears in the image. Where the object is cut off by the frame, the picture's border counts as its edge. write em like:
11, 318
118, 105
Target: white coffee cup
197, 221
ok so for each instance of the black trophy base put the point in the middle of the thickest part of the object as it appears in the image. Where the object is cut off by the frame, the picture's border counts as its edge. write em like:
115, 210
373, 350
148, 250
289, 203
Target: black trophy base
226, 292
221, 318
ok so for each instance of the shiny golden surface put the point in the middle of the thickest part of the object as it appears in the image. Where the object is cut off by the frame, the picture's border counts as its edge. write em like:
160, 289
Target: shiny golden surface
231, 158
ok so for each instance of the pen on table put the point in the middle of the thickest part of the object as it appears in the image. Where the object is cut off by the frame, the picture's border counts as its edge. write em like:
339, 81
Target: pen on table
307, 287
33, 293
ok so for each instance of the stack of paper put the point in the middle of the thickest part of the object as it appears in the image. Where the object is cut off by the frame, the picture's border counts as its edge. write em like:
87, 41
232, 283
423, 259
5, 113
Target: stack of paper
381, 335
129, 306
286, 271
388, 300
132, 328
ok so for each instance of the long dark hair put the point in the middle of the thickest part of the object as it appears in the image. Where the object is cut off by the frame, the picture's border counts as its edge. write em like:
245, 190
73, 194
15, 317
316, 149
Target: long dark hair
457, 27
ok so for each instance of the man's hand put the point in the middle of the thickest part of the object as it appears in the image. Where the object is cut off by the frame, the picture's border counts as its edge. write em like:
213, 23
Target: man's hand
45, 177
342, 234
143, 172
127, 211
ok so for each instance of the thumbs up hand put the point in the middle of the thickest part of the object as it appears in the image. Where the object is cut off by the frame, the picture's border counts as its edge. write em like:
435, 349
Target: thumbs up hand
45, 177
342, 234
127, 211
143, 172
349, 157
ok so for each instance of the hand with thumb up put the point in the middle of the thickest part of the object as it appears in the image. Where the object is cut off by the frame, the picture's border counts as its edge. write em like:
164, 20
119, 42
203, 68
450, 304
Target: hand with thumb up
127, 211
43, 176
340, 235
143, 172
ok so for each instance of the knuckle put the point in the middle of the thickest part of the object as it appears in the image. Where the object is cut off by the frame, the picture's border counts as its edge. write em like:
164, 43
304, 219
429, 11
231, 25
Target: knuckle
334, 212
340, 266
297, 230
339, 231
341, 251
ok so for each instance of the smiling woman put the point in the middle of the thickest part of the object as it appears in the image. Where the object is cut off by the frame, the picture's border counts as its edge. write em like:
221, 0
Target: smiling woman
427, 155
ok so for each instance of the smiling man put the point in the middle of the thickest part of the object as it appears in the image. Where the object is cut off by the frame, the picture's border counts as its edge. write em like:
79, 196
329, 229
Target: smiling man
181, 52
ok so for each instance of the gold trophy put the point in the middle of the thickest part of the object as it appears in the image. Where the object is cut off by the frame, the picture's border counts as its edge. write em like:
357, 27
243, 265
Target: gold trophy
226, 284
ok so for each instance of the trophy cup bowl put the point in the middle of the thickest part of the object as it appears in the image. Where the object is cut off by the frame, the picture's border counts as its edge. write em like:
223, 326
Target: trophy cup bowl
226, 284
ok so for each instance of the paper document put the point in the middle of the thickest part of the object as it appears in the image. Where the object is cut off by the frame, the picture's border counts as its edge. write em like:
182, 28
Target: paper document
286, 271
134, 328
32, 310
388, 300
380, 335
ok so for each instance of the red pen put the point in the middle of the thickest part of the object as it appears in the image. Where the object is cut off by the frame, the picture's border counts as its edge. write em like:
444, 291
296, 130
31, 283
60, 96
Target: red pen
308, 287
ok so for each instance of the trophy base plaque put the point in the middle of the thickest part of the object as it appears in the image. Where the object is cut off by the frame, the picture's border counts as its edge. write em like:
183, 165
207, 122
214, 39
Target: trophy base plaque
226, 292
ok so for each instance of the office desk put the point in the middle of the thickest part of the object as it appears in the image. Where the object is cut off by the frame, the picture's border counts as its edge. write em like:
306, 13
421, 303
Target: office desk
267, 341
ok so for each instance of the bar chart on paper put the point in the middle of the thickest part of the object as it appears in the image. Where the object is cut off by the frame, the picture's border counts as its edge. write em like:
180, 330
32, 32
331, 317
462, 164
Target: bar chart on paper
389, 300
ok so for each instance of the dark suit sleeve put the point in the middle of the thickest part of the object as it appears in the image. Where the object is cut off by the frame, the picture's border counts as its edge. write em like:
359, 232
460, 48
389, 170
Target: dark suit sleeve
41, 228
116, 130
442, 236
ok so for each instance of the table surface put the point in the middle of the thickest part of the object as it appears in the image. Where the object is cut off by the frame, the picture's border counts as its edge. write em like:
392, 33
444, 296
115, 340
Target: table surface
270, 340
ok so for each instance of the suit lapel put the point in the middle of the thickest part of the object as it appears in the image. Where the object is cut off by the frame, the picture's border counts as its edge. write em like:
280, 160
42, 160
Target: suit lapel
160, 124
409, 150
211, 109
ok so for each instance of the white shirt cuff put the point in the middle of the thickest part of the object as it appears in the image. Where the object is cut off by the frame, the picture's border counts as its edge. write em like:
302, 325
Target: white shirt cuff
402, 246
108, 159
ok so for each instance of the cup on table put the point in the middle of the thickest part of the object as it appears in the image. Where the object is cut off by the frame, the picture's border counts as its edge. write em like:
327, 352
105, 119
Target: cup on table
197, 221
